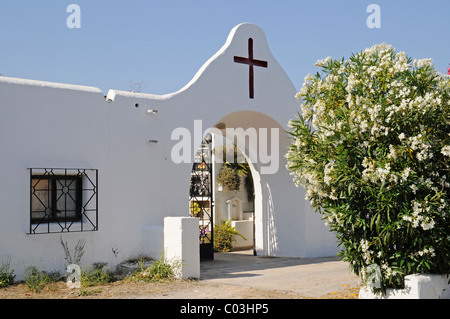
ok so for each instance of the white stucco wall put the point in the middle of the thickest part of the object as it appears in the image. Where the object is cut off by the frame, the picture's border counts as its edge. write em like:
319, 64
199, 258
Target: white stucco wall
65, 126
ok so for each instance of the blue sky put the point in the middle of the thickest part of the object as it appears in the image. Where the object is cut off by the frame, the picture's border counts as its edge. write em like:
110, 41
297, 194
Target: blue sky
163, 43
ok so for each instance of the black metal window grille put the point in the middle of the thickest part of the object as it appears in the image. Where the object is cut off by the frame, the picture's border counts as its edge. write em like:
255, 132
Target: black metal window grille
63, 200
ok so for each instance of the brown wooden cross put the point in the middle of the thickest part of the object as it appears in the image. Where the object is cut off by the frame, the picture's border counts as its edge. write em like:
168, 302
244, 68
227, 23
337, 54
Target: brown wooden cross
251, 63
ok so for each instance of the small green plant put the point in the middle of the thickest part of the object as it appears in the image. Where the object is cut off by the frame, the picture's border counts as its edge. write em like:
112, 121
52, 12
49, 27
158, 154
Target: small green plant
95, 275
89, 292
53, 278
160, 270
6, 273
224, 236
78, 251
36, 279
229, 178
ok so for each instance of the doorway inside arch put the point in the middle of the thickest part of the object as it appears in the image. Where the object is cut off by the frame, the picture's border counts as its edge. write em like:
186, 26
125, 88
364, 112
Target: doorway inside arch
222, 197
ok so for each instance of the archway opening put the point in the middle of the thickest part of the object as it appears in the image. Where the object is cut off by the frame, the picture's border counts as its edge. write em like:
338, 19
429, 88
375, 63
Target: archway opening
246, 144
222, 197
234, 198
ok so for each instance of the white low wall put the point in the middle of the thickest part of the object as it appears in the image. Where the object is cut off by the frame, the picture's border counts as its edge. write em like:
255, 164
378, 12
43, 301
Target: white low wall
416, 287
244, 227
181, 244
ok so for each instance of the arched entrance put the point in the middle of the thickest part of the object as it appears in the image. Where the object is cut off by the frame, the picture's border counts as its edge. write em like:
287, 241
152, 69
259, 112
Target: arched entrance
222, 195
260, 145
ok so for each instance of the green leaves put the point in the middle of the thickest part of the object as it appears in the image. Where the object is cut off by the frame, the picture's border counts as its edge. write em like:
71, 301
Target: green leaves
224, 236
229, 177
368, 149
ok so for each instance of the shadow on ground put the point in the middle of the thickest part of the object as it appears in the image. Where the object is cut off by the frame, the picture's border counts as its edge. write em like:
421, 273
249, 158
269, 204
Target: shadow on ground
313, 277
243, 264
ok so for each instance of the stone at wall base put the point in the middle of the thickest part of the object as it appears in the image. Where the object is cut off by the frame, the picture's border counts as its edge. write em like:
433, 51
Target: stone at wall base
417, 286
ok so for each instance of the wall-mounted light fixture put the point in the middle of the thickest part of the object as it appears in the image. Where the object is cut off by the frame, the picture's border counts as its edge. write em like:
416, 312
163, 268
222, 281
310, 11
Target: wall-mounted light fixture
152, 111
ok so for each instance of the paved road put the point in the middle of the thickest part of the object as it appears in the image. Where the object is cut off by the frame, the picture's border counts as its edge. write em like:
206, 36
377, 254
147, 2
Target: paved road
311, 277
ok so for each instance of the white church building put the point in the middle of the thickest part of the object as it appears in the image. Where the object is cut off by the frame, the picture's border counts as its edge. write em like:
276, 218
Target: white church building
76, 164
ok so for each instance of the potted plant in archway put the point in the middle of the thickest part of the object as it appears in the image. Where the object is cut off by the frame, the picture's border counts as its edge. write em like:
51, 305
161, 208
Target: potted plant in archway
224, 236
372, 150
235, 169
229, 178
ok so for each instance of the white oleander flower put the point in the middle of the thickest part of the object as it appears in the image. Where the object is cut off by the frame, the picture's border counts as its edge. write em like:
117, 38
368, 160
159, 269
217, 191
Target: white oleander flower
405, 174
291, 124
446, 150
327, 171
320, 63
308, 78
392, 152
418, 63
427, 225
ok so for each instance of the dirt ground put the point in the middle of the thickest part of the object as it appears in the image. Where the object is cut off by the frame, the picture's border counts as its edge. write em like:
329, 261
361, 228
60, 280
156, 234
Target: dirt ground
212, 285
174, 289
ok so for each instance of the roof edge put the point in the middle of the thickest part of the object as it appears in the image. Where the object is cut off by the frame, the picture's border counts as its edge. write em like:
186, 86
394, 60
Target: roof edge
54, 85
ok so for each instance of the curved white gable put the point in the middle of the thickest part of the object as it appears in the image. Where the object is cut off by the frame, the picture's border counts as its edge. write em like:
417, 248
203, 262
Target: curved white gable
222, 84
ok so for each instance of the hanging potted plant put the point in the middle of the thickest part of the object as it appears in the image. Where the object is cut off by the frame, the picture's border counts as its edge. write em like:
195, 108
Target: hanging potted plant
372, 150
229, 178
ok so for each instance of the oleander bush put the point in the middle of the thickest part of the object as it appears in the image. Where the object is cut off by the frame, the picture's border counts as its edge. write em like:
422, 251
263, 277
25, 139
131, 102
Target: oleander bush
371, 147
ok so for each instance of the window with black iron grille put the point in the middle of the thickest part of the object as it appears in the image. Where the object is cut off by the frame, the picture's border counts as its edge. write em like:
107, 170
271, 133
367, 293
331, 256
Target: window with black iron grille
63, 200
